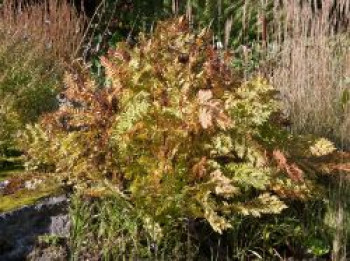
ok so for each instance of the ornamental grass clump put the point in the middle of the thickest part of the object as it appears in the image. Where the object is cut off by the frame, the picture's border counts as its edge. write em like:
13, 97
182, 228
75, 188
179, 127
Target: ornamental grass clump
176, 133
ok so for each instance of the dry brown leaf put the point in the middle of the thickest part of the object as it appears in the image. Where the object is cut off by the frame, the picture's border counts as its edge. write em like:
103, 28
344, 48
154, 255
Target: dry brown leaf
205, 118
199, 170
293, 171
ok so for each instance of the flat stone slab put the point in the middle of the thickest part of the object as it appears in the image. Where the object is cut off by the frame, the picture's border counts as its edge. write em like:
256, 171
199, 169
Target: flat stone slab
20, 228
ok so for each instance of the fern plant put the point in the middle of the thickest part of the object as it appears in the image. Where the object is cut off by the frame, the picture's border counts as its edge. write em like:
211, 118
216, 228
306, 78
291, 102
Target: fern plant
177, 133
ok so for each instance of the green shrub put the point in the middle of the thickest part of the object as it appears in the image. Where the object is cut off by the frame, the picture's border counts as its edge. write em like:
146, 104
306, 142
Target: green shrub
35, 39
8, 126
177, 134
29, 78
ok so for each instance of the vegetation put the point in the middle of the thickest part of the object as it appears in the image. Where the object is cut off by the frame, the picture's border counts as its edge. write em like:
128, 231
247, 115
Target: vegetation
26, 197
175, 126
35, 43
25, 93
32, 50
317, 101
220, 134
19, 193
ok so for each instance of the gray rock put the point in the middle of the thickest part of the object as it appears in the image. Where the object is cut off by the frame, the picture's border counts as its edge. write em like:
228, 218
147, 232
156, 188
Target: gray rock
60, 225
3, 184
19, 229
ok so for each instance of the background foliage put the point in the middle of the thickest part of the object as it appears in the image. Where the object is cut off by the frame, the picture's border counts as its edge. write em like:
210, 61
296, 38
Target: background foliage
35, 41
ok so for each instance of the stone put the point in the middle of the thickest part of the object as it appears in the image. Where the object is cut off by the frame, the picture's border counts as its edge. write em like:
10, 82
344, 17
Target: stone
21, 228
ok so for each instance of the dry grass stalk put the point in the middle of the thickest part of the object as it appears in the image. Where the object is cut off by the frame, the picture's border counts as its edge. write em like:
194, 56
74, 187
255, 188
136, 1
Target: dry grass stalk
53, 24
312, 68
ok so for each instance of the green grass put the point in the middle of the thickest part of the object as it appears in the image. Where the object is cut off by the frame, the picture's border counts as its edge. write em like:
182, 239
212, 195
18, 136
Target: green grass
26, 197
8, 173
10, 166
23, 197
